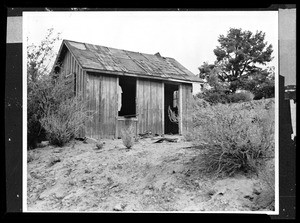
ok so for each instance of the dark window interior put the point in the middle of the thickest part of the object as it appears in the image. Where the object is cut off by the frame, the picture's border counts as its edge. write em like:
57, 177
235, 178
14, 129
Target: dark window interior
128, 98
172, 100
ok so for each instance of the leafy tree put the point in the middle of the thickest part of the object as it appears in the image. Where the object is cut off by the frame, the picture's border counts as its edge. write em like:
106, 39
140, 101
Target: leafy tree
261, 83
39, 56
238, 56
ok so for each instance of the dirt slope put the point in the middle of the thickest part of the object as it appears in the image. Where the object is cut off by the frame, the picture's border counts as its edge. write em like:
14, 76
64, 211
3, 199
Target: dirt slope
149, 177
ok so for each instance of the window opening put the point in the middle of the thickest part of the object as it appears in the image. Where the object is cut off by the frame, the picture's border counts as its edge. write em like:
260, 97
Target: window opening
127, 97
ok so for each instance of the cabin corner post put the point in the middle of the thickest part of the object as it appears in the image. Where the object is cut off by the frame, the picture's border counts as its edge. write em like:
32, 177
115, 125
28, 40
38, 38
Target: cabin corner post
180, 110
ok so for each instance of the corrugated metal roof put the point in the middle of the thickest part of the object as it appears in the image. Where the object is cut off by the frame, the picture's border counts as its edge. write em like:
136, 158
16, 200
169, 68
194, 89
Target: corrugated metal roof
116, 60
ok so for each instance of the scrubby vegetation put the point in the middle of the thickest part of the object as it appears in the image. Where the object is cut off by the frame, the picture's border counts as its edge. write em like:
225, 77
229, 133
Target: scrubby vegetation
234, 137
54, 112
53, 107
127, 136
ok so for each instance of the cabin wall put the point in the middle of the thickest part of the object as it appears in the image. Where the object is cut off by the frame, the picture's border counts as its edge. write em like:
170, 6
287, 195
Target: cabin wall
72, 70
100, 93
101, 96
150, 110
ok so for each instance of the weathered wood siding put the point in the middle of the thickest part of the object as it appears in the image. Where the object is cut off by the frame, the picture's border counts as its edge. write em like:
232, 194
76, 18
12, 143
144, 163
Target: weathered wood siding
150, 106
72, 69
101, 95
186, 94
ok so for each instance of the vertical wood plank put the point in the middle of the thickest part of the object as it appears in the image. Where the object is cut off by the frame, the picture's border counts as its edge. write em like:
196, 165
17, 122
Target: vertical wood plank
116, 112
110, 106
94, 108
97, 127
140, 106
91, 104
159, 107
155, 108
189, 107
87, 130
163, 107
152, 105
69, 62
150, 108
80, 84
144, 107
113, 106
103, 107
147, 105
180, 109
100, 107
72, 70
107, 89
137, 101
77, 76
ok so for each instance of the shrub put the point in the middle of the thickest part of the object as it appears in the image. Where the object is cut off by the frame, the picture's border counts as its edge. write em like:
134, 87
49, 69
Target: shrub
64, 122
241, 97
264, 91
127, 136
233, 138
54, 110
36, 105
214, 97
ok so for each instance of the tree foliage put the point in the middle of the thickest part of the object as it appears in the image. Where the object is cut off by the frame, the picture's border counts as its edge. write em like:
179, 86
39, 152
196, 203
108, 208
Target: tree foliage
39, 56
239, 58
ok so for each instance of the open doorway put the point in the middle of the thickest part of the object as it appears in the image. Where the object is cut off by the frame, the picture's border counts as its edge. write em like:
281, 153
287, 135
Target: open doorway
127, 97
171, 108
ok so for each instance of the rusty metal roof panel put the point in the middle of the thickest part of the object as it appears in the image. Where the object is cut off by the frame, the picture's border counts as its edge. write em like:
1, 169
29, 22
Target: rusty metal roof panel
117, 60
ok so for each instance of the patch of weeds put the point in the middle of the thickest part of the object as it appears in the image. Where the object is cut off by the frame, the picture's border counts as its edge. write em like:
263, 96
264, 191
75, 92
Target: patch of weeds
235, 139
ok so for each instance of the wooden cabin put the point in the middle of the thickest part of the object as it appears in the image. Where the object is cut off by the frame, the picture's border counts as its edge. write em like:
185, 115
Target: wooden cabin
126, 88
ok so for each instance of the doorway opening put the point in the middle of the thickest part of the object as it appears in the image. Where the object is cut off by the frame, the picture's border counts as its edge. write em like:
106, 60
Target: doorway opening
171, 108
127, 97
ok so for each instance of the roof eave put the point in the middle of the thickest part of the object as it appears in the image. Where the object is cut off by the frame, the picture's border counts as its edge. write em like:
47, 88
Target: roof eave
118, 73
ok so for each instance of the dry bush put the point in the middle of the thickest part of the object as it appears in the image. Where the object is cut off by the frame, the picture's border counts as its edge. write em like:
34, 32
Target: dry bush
63, 123
127, 136
234, 138
241, 97
266, 175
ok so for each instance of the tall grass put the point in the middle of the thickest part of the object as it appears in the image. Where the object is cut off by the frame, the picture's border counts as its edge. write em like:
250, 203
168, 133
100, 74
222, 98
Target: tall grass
234, 137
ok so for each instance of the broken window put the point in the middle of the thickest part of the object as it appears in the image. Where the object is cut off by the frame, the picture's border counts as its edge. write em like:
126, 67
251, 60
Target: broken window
127, 97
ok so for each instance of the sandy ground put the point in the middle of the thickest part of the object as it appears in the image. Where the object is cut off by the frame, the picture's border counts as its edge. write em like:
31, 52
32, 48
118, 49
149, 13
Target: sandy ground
149, 177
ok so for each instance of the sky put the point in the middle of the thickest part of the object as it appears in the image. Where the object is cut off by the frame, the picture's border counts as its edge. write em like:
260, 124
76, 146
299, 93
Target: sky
189, 37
